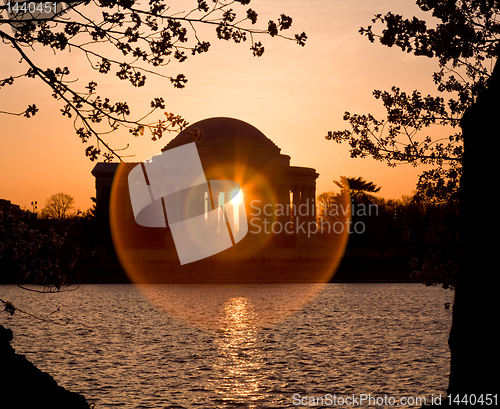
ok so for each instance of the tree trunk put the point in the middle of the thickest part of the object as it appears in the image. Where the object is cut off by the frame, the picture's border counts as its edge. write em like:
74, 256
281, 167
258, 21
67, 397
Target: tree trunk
474, 335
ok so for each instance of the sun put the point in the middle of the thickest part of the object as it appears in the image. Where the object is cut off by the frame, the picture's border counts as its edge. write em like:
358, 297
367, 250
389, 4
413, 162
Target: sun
238, 197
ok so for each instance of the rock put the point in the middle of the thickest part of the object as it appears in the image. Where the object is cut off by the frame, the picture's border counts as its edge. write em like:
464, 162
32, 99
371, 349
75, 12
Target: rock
24, 386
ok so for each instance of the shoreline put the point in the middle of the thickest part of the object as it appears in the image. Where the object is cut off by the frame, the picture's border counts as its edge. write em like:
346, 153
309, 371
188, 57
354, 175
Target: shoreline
350, 270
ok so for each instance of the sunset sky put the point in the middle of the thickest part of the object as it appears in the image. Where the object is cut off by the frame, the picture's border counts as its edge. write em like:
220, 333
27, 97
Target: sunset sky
293, 94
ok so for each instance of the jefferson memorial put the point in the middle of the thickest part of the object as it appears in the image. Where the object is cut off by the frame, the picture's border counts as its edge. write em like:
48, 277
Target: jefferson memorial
232, 149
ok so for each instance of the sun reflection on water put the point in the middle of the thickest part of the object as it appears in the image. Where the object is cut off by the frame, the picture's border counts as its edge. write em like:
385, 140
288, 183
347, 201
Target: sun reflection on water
239, 318
239, 359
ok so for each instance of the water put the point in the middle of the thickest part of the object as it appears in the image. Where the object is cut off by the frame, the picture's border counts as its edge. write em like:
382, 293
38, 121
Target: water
121, 350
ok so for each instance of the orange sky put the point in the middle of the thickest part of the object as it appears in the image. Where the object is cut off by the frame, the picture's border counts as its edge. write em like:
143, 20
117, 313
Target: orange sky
294, 95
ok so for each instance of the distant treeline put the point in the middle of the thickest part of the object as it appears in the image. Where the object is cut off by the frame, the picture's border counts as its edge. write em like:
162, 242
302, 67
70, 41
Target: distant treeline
427, 230
46, 250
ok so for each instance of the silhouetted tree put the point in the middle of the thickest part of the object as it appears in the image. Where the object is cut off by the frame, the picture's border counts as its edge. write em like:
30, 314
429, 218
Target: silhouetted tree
466, 42
132, 39
357, 187
332, 208
32, 255
59, 206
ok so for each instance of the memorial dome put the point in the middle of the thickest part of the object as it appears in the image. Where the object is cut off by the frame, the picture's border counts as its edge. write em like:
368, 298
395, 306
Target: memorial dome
229, 140
221, 132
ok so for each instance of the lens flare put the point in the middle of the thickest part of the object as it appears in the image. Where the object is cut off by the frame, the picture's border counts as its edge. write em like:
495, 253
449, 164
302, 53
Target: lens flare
276, 272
